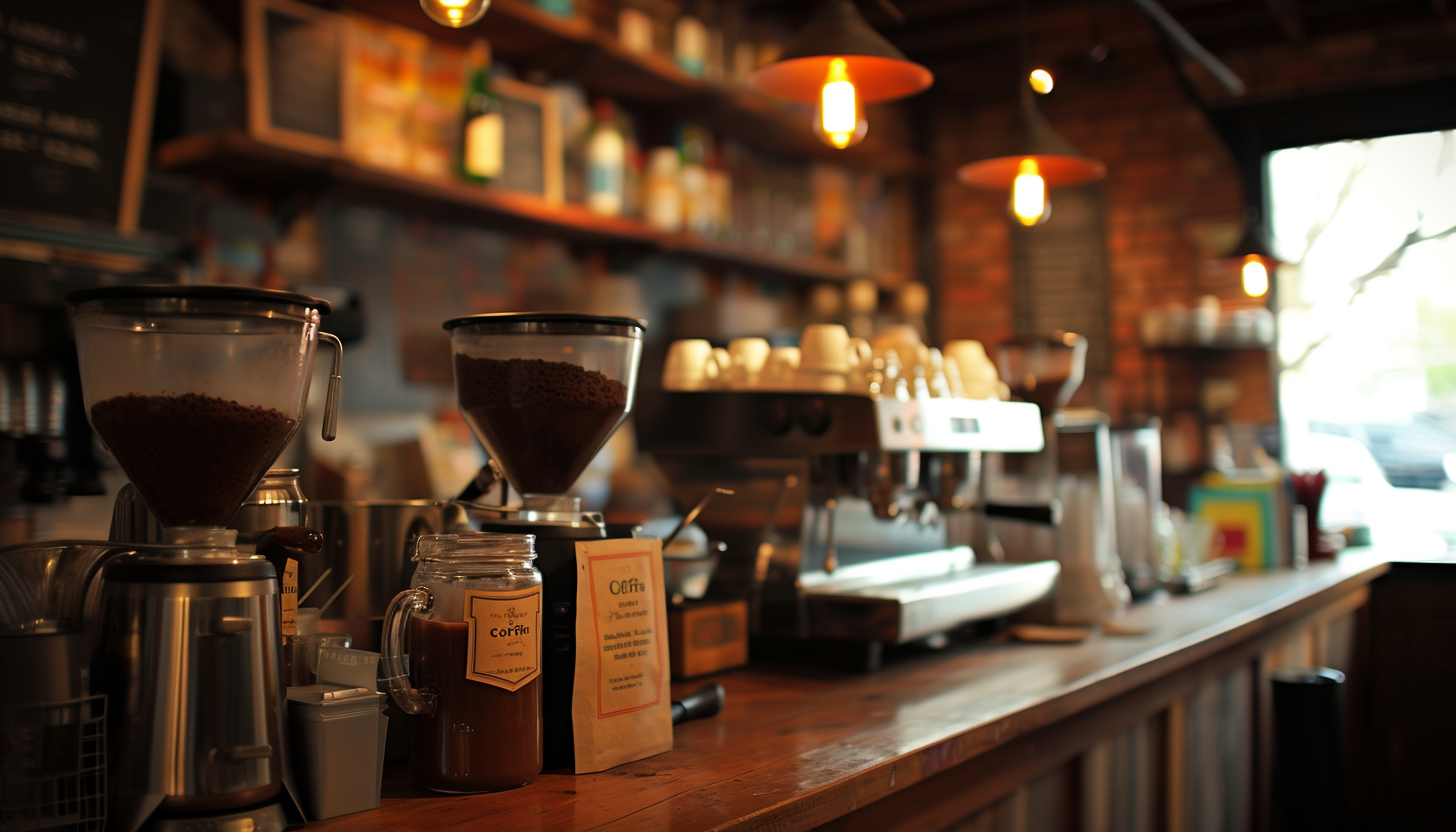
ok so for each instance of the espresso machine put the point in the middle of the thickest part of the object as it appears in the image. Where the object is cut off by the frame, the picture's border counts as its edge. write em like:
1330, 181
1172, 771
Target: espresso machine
195, 390
840, 526
543, 392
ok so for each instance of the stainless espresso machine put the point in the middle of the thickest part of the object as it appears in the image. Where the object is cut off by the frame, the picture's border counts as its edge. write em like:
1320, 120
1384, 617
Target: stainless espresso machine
842, 525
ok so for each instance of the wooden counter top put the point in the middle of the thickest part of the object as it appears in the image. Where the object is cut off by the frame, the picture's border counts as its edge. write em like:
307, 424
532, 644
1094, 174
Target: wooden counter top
796, 747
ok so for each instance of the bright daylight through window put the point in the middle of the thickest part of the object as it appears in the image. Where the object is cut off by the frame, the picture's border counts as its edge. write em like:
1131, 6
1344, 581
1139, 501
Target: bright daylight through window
1367, 322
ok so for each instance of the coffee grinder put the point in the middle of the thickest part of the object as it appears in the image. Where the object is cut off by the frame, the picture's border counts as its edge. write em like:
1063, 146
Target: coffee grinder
1075, 469
543, 392
195, 390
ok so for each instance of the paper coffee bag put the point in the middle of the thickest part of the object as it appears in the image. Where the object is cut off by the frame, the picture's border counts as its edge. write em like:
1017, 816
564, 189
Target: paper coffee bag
621, 706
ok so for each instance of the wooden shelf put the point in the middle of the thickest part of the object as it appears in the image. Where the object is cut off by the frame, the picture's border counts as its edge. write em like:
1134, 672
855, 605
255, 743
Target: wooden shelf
528, 37
236, 157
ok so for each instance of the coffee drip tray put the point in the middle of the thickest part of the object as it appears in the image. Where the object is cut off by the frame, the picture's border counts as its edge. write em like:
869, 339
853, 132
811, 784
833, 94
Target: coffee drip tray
896, 612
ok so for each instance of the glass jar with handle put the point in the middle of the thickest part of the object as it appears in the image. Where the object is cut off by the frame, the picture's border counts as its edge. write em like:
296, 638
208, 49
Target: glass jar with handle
462, 653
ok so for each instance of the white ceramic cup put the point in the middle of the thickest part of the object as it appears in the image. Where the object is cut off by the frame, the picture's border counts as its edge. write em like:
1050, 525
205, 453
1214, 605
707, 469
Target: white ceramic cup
824, 348
780, 368
686, 365
978, 375
747, 355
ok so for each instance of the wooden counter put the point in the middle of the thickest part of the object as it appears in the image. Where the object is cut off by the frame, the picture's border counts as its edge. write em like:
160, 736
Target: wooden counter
934, 739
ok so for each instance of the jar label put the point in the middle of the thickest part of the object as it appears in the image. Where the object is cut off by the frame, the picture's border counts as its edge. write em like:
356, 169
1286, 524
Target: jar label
505, 637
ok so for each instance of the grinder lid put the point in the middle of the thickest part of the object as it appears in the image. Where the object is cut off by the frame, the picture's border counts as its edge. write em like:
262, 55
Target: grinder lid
175, 570
209, 291
553, 322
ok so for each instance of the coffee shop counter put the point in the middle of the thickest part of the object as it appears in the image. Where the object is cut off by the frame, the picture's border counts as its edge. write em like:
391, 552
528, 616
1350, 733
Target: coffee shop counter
933, 739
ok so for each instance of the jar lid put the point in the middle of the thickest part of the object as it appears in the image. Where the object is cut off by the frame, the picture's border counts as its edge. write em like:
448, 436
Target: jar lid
475, 546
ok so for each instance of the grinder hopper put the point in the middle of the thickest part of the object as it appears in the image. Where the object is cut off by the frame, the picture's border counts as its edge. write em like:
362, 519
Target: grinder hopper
197, 389
544, 391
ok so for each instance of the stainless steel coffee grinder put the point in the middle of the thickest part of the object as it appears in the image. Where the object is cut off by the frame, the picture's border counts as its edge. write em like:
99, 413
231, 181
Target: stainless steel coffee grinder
544, 392
195, 390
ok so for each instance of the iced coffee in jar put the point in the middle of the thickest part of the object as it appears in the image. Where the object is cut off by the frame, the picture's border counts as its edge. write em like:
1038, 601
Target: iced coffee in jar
462, 651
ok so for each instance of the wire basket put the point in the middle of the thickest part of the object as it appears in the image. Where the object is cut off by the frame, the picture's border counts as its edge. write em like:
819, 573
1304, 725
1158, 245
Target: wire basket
53, 766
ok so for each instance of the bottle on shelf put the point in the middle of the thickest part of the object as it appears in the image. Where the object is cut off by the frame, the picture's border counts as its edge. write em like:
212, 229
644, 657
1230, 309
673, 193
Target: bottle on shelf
559, 8
690, 44
697, 206
720, 198
662, 200
634, 29
606, 162
482, 145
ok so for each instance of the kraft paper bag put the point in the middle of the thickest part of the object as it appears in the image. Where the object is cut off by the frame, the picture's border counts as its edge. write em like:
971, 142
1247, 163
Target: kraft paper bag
621, 707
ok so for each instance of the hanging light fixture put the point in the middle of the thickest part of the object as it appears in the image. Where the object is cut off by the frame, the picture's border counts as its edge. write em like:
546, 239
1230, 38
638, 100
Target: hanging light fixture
454, 13
839, 64
1255, 263
1033, 158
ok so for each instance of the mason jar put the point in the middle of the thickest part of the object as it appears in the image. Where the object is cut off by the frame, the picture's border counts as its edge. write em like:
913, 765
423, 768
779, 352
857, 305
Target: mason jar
462, 650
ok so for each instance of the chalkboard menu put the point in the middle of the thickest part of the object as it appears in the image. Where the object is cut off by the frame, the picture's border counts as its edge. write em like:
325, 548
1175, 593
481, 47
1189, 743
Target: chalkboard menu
68, 86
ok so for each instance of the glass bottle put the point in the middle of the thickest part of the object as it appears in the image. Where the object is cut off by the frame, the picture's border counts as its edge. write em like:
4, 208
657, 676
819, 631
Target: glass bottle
606, 162
482, 145
462, 653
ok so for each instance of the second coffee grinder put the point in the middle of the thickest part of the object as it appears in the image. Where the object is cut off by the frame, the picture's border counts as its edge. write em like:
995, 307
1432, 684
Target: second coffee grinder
544, 392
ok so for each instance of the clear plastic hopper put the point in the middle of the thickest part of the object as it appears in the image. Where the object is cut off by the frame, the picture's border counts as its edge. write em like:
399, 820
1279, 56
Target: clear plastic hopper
197, 389
544, 391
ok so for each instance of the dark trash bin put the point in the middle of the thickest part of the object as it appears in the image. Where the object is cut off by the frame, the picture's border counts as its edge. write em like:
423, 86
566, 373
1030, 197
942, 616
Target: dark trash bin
1309, 751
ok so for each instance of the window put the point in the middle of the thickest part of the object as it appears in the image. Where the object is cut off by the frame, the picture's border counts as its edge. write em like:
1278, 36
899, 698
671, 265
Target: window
1367, 320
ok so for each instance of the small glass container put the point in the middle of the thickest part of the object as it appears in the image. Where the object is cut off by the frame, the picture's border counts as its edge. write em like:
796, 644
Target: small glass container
462, 653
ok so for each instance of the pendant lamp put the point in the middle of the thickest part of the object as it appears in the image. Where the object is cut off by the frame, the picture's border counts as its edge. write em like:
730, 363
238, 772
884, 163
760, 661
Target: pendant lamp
1252, 255
1033, 157
839, 64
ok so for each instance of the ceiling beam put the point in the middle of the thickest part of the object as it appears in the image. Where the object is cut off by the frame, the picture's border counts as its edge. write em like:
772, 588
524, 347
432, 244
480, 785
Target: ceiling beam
1186, 43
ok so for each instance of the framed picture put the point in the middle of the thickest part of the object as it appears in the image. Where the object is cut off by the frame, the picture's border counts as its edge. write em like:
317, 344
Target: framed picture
293, 56
532, 139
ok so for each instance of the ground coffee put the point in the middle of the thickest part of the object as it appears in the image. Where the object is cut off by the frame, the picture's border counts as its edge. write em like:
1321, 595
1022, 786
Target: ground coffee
542, 421
194, 458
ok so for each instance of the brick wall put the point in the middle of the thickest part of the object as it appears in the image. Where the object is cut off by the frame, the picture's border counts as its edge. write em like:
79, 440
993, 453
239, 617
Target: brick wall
1174, 197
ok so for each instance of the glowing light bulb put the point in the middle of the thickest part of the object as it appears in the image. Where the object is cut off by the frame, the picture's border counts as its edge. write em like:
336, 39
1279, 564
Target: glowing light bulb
1256, 276
839, 118
1041, 81
1029, 204
454, 13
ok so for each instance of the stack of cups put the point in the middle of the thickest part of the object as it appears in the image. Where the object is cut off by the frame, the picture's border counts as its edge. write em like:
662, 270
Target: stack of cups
823, 359
978, 375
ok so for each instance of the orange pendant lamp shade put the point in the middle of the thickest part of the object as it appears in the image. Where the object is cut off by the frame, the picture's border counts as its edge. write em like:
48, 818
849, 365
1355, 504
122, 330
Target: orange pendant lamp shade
837, 32
1058, 161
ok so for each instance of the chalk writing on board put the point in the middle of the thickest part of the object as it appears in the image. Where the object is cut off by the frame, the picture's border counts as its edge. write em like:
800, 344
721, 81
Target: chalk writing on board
67, 78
